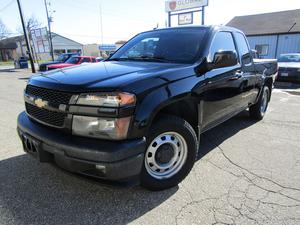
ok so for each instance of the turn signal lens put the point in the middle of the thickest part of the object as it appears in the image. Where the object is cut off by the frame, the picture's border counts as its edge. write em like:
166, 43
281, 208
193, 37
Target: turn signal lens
107, 99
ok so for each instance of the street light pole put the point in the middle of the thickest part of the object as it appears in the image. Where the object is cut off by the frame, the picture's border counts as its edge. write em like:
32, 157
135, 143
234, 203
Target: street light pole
49, 27
26, 37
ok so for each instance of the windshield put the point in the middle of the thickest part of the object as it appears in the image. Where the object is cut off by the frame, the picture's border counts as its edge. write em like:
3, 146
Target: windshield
174, 45
62, 58
73, 60
289, 58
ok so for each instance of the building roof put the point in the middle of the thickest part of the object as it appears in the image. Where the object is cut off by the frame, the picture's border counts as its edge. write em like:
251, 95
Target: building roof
55, 34
268, 23
10, 43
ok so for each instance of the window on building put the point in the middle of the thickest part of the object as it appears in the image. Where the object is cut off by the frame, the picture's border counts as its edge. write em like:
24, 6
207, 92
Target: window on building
59, 51
73, 50
262, 50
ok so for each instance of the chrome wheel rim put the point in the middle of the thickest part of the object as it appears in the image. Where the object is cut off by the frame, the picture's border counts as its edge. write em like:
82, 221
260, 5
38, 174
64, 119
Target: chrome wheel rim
264, 103
166, 155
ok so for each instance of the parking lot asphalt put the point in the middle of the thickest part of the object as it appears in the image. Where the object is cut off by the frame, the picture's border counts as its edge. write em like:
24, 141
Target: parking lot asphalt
248, 172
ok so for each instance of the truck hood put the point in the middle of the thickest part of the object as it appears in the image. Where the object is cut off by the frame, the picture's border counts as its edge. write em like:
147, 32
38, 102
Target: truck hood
111, 75
289, 64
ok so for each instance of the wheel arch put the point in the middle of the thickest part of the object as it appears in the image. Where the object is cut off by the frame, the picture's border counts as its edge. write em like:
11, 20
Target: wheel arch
183, 105
269, 83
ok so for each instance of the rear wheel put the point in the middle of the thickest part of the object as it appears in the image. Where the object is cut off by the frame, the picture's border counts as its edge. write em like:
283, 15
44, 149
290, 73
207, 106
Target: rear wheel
258, 110
170, 155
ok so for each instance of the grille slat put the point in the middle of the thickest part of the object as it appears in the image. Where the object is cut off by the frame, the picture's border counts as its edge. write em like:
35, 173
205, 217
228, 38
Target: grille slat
49, 95
46, 116
50, 117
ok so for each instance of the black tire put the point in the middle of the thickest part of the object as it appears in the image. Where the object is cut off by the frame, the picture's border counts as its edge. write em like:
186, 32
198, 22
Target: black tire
257, 111
182, 127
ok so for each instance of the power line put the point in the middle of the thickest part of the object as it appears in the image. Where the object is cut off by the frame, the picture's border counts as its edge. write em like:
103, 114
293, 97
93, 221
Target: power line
7, 5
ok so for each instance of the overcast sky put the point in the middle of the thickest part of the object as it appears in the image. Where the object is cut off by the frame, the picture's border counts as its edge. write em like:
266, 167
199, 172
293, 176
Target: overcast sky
121, 19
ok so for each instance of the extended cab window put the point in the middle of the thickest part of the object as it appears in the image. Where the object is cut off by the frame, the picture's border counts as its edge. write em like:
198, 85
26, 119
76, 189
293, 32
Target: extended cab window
73, 60
175, 46
243, 48
85, 60
223, 41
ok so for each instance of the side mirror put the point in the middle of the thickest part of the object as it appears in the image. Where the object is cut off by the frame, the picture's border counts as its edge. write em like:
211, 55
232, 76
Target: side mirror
254, 54
224, 59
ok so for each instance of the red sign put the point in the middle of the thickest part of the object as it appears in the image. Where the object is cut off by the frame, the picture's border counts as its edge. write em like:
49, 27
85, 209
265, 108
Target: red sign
172, 5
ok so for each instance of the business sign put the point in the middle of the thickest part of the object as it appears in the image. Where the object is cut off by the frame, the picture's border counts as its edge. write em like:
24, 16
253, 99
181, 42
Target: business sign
176, 5
185, 18
40, 40
107, 47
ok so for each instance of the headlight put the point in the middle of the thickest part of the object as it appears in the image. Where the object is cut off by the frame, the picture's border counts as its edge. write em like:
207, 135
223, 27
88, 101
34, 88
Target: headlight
106, 99
105, 128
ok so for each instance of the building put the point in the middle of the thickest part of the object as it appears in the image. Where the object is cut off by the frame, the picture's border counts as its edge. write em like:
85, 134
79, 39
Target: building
91, 49
271, 34
103, 50
15, 47
8, 49
63, 44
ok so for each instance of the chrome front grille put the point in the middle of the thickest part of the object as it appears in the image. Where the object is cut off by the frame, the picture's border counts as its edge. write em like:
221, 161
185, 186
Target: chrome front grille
44, 114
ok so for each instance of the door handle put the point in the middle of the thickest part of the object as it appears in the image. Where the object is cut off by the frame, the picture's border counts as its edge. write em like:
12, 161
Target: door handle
236, 77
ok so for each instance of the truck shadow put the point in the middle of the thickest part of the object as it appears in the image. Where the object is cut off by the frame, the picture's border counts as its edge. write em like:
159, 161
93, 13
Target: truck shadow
216, 136
34, 193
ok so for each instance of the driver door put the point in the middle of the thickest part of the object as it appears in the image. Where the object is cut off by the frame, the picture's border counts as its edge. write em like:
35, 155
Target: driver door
221, 97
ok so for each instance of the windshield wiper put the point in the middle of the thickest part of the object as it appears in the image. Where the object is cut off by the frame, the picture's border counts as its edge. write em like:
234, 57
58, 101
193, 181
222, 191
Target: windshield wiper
154, 58
142, 58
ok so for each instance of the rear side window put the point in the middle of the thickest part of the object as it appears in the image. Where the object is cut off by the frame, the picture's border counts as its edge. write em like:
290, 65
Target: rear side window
223, 41
243, 48
85, 60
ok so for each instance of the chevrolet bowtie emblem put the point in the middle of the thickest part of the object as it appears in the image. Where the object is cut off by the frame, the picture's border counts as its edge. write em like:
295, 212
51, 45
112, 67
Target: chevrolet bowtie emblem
40, 103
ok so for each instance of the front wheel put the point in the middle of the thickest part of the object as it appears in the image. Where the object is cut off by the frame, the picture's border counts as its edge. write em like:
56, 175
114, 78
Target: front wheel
170, 155
258, 110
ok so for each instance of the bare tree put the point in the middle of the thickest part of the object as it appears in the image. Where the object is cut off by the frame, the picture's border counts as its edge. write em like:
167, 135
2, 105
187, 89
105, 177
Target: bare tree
4, 32
31, 23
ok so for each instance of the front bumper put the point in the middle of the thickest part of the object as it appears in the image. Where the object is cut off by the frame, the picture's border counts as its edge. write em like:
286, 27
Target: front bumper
111, 160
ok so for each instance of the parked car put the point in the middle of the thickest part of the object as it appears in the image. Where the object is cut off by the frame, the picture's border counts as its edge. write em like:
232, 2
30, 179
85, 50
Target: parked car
289, 67
61, 59
140, 113
74, 60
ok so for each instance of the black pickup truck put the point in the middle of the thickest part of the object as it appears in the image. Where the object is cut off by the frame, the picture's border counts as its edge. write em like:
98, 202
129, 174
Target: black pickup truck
140, 113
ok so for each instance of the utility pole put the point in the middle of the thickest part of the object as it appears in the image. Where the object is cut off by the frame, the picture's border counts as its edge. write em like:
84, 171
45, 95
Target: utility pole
49, 20
101, 22
26, 37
